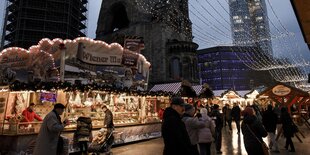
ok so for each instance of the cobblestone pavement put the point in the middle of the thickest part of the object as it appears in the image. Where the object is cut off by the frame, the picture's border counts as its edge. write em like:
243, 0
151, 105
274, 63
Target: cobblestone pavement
232, 145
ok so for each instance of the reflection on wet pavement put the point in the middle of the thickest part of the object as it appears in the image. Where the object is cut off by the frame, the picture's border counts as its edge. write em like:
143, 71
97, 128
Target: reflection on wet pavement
232, 144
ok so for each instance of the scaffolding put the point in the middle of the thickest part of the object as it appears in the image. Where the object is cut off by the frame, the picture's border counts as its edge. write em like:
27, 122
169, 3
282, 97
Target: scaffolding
28, 21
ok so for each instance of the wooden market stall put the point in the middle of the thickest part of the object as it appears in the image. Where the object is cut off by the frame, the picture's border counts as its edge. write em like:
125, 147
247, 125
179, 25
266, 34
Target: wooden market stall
296, 100
285, 95
39, 76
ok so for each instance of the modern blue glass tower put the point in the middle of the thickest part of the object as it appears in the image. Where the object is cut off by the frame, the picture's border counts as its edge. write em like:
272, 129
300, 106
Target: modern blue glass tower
249, 24
222, 68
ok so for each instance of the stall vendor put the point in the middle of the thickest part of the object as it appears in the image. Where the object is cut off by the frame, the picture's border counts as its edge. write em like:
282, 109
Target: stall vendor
30, 115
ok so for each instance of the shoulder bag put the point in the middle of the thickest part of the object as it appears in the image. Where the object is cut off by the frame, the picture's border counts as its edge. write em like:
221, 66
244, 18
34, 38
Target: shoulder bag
263, 144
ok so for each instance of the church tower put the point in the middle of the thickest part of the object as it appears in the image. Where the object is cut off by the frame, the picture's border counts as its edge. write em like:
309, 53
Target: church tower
164, 28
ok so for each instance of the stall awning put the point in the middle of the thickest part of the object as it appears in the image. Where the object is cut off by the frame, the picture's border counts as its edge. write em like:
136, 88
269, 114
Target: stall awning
197, 89
168, 87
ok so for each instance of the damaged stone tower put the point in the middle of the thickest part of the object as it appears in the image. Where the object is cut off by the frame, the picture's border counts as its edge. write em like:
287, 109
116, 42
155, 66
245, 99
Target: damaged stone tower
165, 29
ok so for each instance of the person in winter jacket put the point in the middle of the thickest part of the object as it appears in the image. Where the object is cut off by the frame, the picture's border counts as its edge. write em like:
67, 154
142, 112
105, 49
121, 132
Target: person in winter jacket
253, 132
270, 120
287, 128
235, 114
218, 118
83, 133
206, 133
192, 125
227, 115
173, 129
48, 138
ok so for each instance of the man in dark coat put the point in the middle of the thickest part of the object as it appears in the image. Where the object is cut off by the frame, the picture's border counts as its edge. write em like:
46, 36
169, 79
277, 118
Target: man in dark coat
270, 119
287, 123
218, 118
174, 132
235, 114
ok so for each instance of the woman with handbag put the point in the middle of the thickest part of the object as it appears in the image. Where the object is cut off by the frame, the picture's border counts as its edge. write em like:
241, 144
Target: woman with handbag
287, 126
253, 133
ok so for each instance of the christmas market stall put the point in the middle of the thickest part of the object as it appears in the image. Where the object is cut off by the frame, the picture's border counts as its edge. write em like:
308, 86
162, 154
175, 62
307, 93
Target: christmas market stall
82, 74
183, 89
282, 95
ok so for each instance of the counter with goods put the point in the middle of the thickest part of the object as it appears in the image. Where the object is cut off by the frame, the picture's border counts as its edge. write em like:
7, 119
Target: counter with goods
135, 117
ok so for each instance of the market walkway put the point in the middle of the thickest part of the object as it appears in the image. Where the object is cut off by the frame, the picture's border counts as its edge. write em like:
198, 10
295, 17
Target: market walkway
232, 145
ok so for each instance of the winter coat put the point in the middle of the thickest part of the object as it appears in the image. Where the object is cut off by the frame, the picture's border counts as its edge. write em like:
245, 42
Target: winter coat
193, 125
287, 124
83, 129
174, 133
48, 136
270, 120
108, 119
235, 113
218, 119
227, 113
251, 143
205, 133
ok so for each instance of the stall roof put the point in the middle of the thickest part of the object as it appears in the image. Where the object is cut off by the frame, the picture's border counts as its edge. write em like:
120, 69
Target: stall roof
167, 87
197, 89
241, 93
269, 91
286, 95
218, 92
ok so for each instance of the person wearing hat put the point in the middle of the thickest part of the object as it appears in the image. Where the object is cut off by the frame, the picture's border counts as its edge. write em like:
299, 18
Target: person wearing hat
192, 125
30, 115
173, 129
48, 138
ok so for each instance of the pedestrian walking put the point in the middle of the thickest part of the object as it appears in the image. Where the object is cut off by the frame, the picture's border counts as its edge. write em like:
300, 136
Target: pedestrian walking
173, 129
270, 120
235, 114
192, 125
253, 132
227, 115
218, 118
206, 133
287, 126
49, 141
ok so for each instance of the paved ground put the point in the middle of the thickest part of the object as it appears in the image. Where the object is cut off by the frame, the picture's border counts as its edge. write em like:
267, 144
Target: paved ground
232, 145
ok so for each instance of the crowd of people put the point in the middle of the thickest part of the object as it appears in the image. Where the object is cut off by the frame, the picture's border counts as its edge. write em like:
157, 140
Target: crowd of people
190, 129
186, 129
50, 141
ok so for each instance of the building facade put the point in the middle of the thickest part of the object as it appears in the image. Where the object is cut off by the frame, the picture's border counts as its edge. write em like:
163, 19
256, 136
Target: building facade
249, 24
28, 21
165, 30
221, 68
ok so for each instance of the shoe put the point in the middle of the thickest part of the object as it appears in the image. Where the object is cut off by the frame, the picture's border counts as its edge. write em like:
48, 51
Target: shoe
219, 152
286, 147
291, 151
